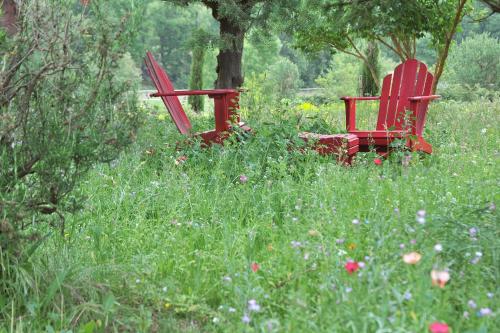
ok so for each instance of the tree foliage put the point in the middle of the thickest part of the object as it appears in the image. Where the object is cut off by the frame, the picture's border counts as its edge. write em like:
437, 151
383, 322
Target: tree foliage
395, 24
62, 108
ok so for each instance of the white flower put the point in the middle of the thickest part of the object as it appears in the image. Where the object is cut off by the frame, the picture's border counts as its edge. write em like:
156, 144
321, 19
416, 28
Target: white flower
438, 247
215, 320
355, 221
472, 304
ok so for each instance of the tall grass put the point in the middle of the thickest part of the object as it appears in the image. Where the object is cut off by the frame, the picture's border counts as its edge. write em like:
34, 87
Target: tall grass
164, 245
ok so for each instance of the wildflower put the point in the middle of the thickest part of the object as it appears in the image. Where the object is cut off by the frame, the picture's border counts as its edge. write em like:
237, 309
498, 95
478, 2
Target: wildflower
489, 295
440, 278
161, 116
351, 267
492, 206
253, 306
377, 161
421, 213
420, 220
355, 221
473, 232
351, 246
215, 320
483, 131
438, 327
348, 289
477, 257
243, 179
472, 304
340, 241
407, 296
413, 241
438, 247
255, 267
137, 280
466, 314
227, 279
231, 310
406, 160
484, 312
167, 305
294, 219
401, 246
412, 258
164, 289
361, 264
306, 256
313, 233
180, 160
246, 319
295, 244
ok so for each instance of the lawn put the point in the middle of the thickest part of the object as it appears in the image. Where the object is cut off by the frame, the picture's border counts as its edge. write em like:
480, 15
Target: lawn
254, 236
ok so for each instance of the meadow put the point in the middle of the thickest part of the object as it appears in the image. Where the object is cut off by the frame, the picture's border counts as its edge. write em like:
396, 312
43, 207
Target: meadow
255, 236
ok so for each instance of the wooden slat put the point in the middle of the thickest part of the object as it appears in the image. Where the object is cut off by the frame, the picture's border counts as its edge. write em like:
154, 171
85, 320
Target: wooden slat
393, 100
164, 85
424, 105
384, 102
407, 89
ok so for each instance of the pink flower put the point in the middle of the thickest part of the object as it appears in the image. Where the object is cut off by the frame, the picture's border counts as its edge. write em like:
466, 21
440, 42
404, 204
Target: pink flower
438, 327
377, 161
255, 267
351, 267
243, 179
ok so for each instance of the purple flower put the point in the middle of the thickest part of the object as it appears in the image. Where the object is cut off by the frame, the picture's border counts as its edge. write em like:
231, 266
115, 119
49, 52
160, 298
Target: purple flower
472, 304
413, 241
295, 244
246, 319
401, 246
473, 232
361, 264
243, 179
253, 306
485, 312
407, 296
421, 213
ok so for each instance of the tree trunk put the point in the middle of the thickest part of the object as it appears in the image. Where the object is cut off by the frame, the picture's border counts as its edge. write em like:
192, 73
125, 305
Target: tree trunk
9, 16
229, 74
443, 53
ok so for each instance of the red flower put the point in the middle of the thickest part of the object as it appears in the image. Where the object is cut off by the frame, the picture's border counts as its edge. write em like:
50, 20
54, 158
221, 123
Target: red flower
438, 327
351, 267
377, 161
255, 267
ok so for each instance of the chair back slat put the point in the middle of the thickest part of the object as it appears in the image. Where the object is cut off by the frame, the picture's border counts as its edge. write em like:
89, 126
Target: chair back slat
424, 105
406, 90
384, 102
393, 98
410, 78
164, 85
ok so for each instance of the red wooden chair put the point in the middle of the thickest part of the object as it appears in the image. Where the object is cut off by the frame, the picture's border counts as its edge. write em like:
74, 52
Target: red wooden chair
225, 105
408, 89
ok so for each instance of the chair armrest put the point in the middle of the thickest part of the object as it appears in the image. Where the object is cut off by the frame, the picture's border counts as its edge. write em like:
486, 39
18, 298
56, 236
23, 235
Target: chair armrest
213, 92
361, 98
423, 98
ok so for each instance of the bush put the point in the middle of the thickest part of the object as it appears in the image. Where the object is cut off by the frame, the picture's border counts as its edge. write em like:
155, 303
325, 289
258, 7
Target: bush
473, 65
66, 105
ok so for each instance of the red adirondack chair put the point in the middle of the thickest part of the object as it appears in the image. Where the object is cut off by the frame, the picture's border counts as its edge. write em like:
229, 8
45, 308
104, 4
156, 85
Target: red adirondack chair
225, 105
408, 89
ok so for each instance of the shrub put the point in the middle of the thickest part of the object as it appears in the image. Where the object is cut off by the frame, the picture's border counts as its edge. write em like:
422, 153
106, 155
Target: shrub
66, 105
473, 65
